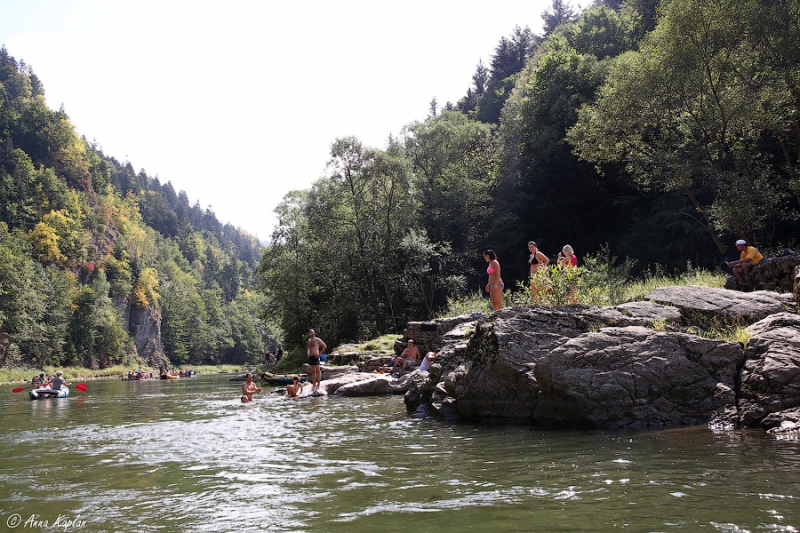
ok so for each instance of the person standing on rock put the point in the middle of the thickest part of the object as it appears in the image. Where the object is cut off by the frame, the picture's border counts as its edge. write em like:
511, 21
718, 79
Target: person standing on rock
315, 347
567, 259
537, 260
495, 286
750, 257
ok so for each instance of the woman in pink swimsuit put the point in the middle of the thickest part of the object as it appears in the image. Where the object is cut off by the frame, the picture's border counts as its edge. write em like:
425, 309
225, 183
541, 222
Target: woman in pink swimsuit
567, 259
495, 286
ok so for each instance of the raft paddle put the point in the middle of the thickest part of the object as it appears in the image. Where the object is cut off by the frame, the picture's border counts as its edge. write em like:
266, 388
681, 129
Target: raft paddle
81, 387
20, 389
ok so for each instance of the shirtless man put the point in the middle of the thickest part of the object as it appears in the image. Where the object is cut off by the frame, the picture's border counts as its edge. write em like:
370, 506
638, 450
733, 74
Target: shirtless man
316, 346
249, 388
294, 390
410, 356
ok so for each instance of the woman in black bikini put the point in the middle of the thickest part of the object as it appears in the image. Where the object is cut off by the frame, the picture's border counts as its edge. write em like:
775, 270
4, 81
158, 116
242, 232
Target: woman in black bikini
537, 260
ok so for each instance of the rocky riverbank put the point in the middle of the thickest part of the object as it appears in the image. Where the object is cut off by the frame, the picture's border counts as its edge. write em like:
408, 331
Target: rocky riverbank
642, 364
629, 366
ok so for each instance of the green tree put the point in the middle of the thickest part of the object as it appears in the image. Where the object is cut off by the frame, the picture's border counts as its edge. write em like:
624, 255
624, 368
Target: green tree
682, 113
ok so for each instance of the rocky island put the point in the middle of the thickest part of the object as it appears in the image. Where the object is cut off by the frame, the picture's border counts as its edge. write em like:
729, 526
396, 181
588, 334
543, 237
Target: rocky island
642, 364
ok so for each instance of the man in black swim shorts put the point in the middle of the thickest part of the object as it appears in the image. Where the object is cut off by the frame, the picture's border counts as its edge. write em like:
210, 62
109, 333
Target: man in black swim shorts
316, 346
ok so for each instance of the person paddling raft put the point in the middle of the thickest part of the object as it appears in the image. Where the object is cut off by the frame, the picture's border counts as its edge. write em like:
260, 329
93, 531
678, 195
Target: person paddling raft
58, 382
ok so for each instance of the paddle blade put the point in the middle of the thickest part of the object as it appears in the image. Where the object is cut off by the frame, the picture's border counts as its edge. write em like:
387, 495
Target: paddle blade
18, 389
81, 387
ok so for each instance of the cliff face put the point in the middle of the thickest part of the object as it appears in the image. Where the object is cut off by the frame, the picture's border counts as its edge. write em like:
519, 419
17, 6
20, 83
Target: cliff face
145, 326
630, 366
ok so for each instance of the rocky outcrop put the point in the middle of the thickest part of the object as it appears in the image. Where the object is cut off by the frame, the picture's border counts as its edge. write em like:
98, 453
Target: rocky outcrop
770, 382
146, 328
353, 383
774, 273
428, 335
727, 305
634, 377
628, 366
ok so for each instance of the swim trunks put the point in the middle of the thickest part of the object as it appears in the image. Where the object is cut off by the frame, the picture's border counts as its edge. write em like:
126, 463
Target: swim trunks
313, 361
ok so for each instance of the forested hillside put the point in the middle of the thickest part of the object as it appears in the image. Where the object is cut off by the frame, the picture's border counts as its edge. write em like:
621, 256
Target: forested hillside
93, 253
662, 130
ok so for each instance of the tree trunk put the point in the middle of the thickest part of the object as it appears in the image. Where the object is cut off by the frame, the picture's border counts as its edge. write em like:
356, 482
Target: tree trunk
709, 227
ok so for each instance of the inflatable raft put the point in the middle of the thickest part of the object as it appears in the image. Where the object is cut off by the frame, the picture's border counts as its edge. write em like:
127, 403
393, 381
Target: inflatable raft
41, 394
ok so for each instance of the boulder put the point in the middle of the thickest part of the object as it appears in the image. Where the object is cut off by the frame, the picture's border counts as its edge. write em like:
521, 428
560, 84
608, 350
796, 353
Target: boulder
330, 372
636, 377
428, 335
784, 424
490, 378
374, 363
774, 273
375, 385
746, 307
602, 367
770, 380
330, 386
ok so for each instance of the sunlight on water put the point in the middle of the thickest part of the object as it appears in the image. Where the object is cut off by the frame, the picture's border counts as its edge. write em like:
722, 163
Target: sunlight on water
188, 456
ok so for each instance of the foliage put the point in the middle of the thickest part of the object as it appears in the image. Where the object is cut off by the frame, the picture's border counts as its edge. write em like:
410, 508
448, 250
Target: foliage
85, 240
548, 286
469, 304
686, 112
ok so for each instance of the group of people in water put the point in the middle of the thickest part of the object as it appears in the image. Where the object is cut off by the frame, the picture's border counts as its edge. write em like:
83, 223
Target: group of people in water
409, 358
315, 348
536, 260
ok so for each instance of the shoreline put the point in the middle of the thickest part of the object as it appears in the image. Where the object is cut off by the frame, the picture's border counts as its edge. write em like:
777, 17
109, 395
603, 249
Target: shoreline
88, 374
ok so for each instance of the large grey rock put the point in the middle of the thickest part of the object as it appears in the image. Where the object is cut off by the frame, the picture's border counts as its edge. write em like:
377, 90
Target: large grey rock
603, 367
635, 377
330, 386
330, 372
729, 305
564, 366
770, 381
491, 378
375, 385
774, 273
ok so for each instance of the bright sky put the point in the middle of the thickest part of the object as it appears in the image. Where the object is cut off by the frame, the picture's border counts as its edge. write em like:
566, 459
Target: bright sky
237, 102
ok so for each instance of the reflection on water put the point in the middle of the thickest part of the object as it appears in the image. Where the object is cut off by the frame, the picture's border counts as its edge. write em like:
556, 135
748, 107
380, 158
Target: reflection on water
188, 456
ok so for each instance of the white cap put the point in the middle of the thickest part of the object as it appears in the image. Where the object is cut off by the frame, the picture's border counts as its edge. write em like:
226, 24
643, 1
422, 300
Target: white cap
59, 373
741, 241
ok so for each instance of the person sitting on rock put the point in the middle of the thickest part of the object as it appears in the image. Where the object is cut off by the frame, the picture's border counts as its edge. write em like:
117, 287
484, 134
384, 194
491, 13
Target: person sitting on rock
750, 257
295, 388
426, 362
409, 357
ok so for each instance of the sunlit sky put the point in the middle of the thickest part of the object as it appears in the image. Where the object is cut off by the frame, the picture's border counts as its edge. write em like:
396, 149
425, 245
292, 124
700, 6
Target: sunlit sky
238, 102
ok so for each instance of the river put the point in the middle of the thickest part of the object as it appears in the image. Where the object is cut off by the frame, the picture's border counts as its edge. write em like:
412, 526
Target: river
187, 456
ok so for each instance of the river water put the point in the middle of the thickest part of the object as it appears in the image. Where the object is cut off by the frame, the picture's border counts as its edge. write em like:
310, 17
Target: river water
187, 456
